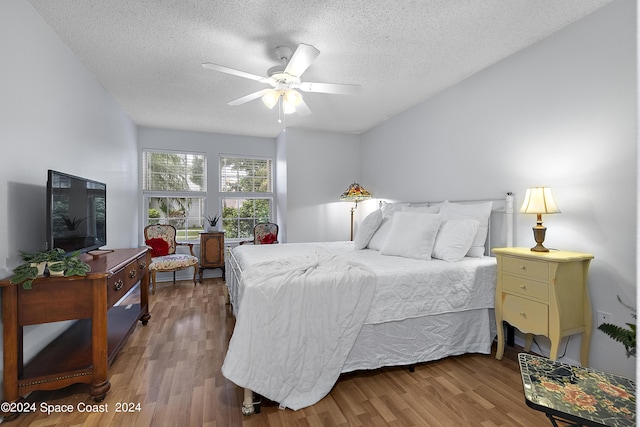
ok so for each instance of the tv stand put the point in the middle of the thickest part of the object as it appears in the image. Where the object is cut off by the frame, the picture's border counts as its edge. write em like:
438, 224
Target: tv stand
84, 352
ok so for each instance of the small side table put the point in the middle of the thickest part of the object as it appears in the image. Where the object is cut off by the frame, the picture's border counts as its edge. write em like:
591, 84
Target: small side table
543, 293
211, 251
576, 395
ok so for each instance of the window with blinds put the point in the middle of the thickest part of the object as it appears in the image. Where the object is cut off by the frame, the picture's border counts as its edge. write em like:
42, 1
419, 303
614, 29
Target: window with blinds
174, 171
246, 192
174, 186
245, 175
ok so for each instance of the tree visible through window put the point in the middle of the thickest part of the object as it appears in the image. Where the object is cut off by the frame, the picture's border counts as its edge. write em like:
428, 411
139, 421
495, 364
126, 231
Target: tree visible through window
174, 185
247, 193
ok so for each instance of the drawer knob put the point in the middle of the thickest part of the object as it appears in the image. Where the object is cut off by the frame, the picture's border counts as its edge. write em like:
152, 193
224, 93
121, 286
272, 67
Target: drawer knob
523, 314
523, 268
132, 274
118, 285
143, 266
523, 287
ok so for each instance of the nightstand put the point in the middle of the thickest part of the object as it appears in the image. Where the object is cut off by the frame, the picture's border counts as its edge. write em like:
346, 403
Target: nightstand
543, 293
211, 251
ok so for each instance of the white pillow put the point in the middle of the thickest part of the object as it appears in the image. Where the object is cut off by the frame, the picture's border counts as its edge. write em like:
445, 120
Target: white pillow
454, 239
412, 235
367, 228
389, 208
378, 238
477, 211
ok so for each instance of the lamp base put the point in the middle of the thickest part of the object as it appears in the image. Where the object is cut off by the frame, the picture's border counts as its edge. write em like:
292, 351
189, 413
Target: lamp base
352, 209
539, 232
539, 248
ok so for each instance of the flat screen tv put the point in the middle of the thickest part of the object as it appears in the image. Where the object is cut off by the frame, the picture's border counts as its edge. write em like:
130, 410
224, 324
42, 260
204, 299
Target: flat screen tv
76, 213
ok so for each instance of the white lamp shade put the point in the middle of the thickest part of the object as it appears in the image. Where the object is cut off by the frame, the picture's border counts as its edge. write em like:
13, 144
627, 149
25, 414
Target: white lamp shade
270, 99
292, 97
288, 108
539, 200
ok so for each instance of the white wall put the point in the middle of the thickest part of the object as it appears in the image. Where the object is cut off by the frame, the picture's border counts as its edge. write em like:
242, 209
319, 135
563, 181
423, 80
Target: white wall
319, 167
55, 115
561, 113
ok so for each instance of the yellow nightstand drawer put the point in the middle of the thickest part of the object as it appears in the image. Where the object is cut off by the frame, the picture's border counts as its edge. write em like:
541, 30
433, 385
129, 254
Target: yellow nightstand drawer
525, 287
528, 316
526, 267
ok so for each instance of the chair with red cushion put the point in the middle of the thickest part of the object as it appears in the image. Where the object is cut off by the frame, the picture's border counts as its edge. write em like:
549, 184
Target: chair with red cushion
161, 239
264, 233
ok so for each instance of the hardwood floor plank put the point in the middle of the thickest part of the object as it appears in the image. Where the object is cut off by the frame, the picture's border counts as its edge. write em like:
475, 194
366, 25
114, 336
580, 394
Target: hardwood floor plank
171, 368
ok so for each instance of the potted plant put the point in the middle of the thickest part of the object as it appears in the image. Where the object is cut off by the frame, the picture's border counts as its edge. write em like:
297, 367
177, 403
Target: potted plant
40, 259
74, 266
213, 222
56, 261
623, 335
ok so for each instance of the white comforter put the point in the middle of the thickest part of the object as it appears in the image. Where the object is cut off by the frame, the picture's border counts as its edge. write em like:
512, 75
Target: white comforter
299, 308
297, 321
405, 287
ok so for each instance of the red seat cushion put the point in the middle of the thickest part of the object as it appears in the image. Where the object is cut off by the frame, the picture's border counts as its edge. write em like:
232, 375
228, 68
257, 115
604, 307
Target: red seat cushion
268, 239
159, 246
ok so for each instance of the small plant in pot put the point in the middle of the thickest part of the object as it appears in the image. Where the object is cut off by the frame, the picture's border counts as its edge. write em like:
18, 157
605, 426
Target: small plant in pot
74, 266
33, 265
57, 261
213, 221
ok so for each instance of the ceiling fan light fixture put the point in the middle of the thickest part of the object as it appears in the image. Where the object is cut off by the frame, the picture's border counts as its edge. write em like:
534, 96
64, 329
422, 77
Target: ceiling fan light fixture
292, 97
288, 107
270, 99
285, 78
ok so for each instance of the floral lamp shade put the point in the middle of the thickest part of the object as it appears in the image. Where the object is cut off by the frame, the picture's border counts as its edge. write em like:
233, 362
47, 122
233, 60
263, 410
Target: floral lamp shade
355, 193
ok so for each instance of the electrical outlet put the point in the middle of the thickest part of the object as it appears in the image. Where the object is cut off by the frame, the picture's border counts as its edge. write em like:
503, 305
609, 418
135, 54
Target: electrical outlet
603, 317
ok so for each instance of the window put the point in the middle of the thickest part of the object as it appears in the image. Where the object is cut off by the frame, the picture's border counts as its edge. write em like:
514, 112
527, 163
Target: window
246, 194
175, 188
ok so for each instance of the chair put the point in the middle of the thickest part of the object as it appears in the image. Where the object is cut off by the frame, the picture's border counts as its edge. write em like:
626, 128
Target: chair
264, 233
161, 239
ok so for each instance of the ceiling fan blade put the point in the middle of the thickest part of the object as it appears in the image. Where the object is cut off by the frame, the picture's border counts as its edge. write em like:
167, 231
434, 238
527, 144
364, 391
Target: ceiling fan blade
233, 72
250, 97
336, 88
304, 55
302, 109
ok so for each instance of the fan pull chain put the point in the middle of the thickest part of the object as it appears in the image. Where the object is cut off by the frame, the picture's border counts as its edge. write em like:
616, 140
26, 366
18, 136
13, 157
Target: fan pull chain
281, 116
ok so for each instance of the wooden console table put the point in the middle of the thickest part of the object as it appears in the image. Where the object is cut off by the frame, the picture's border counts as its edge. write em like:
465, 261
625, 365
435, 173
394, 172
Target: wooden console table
84, 352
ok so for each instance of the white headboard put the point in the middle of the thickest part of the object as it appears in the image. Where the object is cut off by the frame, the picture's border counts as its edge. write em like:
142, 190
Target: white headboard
501, 220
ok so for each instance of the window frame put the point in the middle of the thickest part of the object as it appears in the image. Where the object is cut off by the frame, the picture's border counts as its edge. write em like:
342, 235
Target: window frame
246, 195
186, 234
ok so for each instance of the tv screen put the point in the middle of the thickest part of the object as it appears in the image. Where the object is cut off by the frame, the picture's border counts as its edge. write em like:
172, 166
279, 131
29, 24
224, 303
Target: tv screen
76, 213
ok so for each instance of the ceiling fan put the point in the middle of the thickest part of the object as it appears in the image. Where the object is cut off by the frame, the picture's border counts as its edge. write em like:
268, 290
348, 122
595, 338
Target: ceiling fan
285, 80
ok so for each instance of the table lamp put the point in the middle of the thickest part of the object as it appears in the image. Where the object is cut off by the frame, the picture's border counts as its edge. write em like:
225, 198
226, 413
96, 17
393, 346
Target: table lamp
539, 200
355, 193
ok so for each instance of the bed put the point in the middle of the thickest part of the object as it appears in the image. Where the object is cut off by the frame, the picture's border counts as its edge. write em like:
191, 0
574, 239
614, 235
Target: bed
417, 284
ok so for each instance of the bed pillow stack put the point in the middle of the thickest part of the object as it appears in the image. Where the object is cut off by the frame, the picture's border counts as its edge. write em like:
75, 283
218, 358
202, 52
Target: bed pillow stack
367, 229
454, 240
447, 231
411, 235
470, 211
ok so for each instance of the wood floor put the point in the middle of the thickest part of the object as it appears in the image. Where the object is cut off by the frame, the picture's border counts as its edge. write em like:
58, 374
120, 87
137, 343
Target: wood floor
168, 374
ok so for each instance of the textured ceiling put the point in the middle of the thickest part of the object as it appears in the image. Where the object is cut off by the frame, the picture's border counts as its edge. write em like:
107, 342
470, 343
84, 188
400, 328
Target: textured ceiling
148, 53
